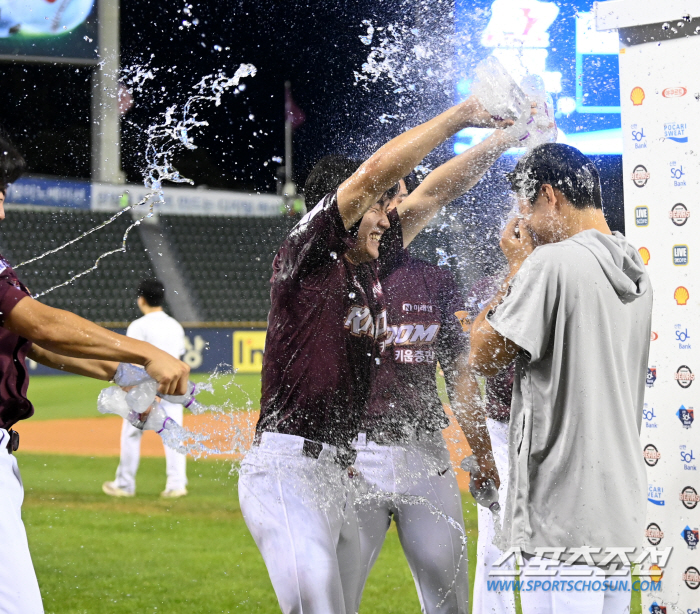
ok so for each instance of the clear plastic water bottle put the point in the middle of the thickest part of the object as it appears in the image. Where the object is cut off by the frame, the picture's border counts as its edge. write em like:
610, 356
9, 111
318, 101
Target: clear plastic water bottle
114, 400
135, 375
501, 96
487, 495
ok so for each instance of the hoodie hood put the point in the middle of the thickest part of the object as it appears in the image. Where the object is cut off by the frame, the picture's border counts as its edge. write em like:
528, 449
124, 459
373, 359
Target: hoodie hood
620, 262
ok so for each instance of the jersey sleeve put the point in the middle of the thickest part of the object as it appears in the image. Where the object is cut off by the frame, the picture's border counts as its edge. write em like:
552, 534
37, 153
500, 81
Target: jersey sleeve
10, 295
319, 237
453, 340
391, 251
527, 314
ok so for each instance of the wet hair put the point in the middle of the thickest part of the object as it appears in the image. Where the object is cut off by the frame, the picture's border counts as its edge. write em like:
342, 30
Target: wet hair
153, 292
564, 168
412, 181
325, 177
12, 164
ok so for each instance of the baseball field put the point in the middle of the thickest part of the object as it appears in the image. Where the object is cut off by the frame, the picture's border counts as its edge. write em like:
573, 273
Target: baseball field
96, 554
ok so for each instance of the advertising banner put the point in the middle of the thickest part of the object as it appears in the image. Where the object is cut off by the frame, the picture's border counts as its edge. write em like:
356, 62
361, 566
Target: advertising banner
50, 193
208, 350
49, 30
660, 89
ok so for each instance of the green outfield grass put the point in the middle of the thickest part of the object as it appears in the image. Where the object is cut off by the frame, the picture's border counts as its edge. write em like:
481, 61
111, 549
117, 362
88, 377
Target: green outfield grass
120, 556
95, 554
72, 396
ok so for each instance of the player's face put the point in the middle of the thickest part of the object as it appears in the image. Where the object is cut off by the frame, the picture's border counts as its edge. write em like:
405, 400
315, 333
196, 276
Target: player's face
2, 205
373, 225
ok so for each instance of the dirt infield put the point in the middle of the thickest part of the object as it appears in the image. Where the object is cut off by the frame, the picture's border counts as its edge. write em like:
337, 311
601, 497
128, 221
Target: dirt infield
100, 436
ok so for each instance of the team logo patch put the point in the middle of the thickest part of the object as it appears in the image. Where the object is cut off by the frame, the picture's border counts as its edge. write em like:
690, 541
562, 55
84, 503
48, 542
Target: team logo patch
686, 415
641, 216
690, 536
684, 376
464, 320
680, 255
651, 455
654, 534
679, 214
689, 498
691, 577
640, 175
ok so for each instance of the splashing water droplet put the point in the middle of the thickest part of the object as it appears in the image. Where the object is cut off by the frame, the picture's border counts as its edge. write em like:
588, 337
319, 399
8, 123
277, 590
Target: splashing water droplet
666, 26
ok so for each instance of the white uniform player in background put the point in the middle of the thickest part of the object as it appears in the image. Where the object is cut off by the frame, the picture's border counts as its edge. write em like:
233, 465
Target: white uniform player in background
159, 329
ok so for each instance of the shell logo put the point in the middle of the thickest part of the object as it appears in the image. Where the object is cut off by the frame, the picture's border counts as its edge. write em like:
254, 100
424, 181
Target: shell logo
656, 573
637, 96
644, 253
681, 295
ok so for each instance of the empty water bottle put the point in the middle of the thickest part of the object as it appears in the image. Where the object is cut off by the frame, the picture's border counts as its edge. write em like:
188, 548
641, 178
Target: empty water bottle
501, 96
115, 401
487, 495
134, 375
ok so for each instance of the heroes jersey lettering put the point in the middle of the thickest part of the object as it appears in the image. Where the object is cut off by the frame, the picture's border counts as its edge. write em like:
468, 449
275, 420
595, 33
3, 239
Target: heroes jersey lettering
422, 300
326, 321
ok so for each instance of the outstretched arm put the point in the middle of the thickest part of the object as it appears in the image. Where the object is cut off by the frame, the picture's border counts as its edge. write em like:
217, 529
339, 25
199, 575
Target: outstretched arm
402, 154
64, 333
449, 181
96, 369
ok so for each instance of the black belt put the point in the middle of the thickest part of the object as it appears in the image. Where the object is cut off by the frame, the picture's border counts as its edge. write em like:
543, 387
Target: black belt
13, 441
389, 438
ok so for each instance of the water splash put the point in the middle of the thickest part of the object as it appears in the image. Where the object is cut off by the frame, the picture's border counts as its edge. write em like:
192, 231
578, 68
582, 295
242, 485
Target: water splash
443, 258
164, 139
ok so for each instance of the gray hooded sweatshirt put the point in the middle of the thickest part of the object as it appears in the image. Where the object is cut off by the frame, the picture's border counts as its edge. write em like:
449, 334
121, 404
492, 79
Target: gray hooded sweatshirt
581, 312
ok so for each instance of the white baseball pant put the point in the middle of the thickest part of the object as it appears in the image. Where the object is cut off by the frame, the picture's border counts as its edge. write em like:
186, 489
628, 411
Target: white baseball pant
581, 596
434, 549
19, 589
493, 601
175, 463
300, 513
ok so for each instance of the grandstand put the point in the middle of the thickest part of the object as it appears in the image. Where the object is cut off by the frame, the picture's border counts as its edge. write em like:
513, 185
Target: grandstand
225, 261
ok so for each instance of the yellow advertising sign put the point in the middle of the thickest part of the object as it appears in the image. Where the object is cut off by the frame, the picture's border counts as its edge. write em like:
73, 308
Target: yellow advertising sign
248, 348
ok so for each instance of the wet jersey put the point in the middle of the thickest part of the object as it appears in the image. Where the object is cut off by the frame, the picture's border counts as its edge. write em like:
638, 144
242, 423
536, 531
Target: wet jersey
326, 318
14, 377
422, 300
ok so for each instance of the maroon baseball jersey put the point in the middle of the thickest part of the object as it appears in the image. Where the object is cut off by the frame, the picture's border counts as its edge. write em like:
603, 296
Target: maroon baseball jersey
422, 300
14, 378
499, 389
326, 319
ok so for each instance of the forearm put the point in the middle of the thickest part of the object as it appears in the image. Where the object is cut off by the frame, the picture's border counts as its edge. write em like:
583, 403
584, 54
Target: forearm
468, 410
96, 369
67, 334
448, 182
397, 159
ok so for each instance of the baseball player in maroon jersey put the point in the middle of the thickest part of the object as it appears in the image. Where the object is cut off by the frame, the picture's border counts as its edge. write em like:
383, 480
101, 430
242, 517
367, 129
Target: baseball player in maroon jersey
58, 339
327, 320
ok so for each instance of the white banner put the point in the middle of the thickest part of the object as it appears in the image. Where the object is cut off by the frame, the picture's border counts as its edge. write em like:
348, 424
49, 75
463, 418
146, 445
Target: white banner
660, 91
188, 201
